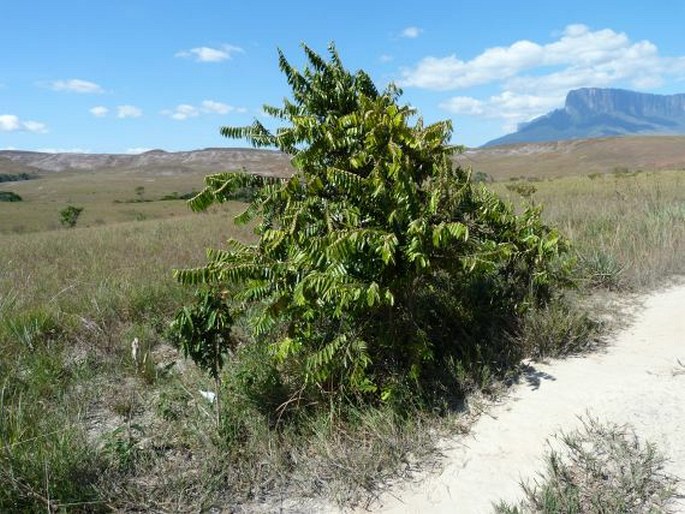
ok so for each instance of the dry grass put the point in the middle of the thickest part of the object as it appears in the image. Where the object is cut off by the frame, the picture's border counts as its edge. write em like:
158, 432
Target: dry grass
580, 156
629, 226
601, 468
107, 197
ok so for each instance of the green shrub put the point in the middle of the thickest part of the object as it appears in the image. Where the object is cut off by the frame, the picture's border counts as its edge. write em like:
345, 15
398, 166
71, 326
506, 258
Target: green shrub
15, 177
69, 215
346, 285
526, 190
9, 196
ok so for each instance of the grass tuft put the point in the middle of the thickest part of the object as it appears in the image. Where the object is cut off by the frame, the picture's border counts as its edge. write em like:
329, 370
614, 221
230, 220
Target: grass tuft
601, 468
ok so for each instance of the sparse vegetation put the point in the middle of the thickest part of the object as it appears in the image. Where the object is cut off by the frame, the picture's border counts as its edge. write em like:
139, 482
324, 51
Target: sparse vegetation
601, 468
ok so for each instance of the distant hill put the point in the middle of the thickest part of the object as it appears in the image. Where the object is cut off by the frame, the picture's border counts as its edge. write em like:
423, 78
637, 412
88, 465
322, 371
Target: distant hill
154, 162
545, 159
595, 112
577, 157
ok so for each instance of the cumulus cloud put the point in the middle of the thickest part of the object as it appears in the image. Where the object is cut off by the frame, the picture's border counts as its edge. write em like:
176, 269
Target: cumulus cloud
578, 49
63, 150
137, 151
9, 123
208, 54
411, 32
99, 111
511, 108
534, 78
184, 111
218, 107
76, 86
128, 111
12, 123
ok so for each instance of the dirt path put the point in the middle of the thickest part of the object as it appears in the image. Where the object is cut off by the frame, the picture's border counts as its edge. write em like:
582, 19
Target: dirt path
636, 380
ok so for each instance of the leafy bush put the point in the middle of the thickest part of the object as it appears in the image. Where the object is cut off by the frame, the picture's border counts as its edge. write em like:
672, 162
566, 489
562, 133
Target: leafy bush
15, 177
524, 189
9, 196
377, 261
69, 215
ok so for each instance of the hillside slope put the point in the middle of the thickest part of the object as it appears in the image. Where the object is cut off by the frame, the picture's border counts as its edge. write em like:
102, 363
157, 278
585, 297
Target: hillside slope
578, 157
208, 160
551, 159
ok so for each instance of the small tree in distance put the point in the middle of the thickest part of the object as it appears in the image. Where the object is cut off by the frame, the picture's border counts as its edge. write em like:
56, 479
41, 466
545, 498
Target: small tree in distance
69, 215
378, 262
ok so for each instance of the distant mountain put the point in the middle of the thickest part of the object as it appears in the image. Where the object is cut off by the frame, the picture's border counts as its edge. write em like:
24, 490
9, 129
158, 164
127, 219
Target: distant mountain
595, 112
154, 162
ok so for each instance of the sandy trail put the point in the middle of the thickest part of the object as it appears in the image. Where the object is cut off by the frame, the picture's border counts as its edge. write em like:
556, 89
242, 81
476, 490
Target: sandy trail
636, 380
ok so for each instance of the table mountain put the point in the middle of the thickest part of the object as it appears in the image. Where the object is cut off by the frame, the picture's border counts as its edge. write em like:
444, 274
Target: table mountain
595, 112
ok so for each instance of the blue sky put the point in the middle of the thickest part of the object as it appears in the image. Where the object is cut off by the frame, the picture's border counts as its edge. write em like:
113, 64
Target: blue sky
129, 75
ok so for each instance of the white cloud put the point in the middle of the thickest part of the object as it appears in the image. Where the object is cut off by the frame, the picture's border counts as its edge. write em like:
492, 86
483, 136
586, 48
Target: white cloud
534, 78
385, 58
136, 151
9, 123
578, 49
128, 111
208, 54
464, 105
63, 150
411, 32
99, 111
218, 107
76, 86
511, 108
35, 126
184, 111
12, 123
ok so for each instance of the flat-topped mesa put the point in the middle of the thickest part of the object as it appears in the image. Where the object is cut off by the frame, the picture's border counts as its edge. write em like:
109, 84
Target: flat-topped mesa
598, 112
590, 101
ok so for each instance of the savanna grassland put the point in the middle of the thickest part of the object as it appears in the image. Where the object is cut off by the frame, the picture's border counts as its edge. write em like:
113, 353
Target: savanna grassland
111, 196
86, 427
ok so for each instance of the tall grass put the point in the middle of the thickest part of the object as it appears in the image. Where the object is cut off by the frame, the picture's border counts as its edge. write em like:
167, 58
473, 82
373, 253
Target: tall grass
629, 226
629, 229
70, 303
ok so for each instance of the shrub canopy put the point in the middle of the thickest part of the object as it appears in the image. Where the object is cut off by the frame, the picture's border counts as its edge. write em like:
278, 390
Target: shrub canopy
377, 260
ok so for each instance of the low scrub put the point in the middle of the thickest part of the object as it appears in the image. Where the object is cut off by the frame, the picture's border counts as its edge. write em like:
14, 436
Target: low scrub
9, 196
601, 468
557, 329
15, 177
